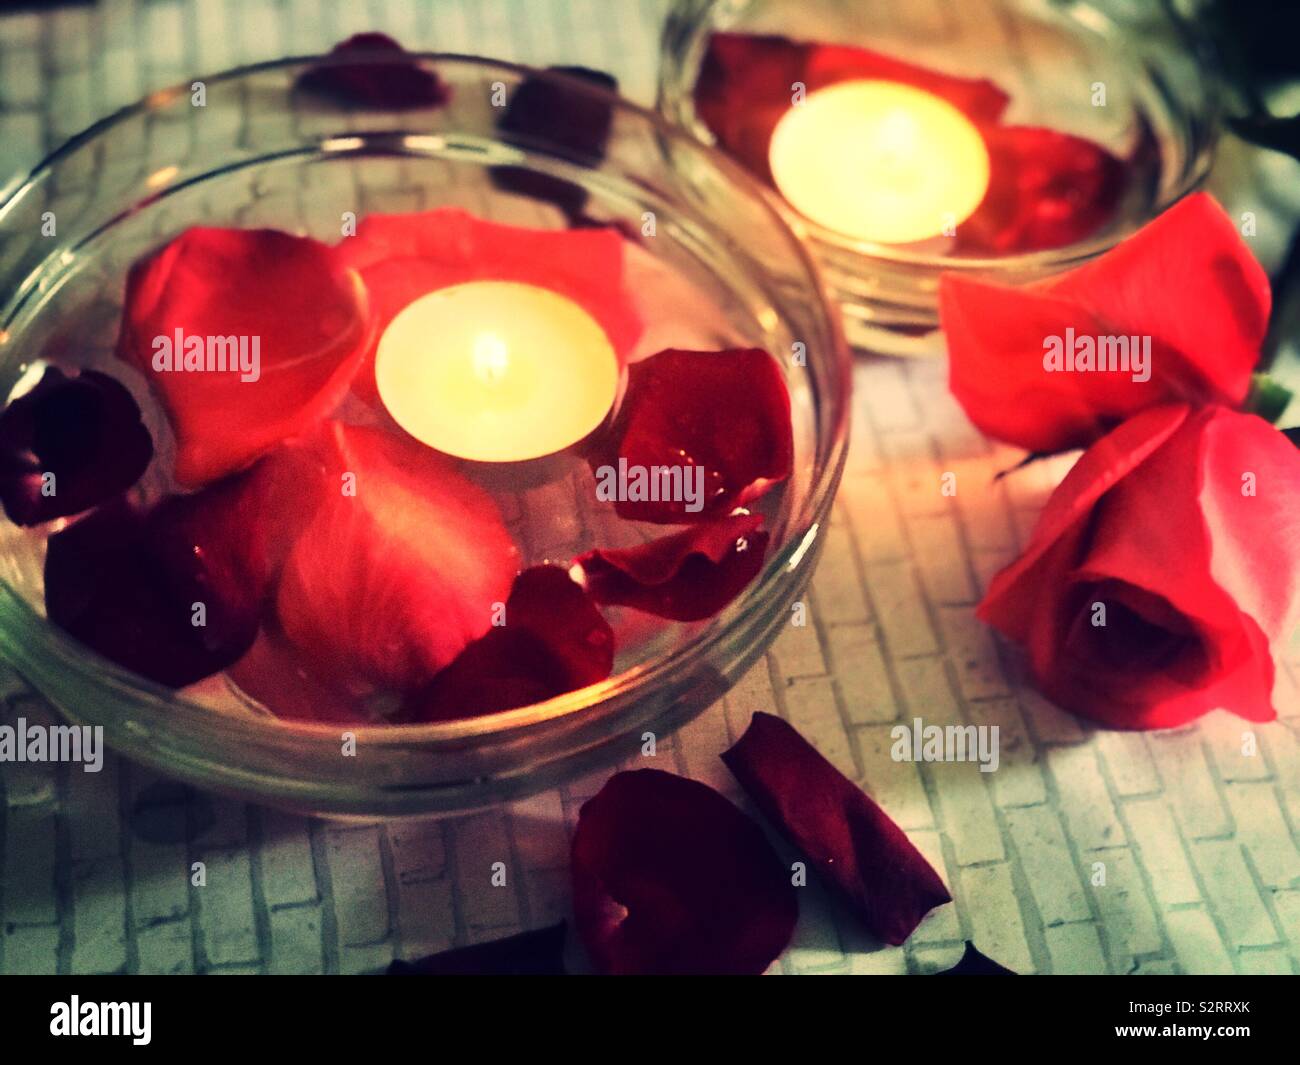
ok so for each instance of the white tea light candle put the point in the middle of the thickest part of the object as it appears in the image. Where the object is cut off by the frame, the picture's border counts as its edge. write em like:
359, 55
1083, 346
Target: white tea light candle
496, 371
880, 161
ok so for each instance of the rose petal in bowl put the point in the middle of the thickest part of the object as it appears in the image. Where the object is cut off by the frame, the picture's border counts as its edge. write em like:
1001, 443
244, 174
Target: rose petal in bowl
213, 289
68, 444
372, 79
687, 576
726, 413
671, 878
551, 640
401, 563
850, 840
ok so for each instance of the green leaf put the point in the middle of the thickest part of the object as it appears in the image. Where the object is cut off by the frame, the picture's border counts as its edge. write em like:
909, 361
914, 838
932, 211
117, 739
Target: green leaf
1267, 397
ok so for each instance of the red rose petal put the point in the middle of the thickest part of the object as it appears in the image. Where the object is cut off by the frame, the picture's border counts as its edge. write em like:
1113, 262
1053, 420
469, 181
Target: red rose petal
558, 118
294, 685
392, 582
1187, 281
848, 838
554, 640
670, 878
307, 311
535, 953
687, 576
725, 411
1046, 190
746, 81
374, 81
403, 257
85, 431
127, 583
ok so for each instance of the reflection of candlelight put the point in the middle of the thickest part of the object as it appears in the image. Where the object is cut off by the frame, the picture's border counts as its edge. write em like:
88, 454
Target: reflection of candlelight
880, 161
496, 371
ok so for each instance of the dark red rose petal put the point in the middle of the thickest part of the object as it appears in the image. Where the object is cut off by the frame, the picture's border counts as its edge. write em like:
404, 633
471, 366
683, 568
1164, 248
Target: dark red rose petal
554, 640
85, 431
308, 311
973, 963
373, 79
746, 82
294, 684
536, 953
687, 576
848, 838
400, 564
726, 411
559, 119
127, 583
670, 878
403, 257
1046, 190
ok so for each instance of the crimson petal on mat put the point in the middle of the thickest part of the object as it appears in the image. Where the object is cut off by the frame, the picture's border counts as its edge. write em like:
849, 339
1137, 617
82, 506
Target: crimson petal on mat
552, 640
687, 576
850, 840
83, 433
539, 952
372, 79
209, 287
671, 878
726, 413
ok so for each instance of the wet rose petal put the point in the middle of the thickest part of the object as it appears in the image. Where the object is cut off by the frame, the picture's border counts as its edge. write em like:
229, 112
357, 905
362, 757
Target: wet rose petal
130, 584
373, 80
671, 878
849, 840
554, 640
400, 565
403, 257
725, 411
559, 119
295, 685
307, 312
535, 953
1188, 281
745, 84
1046, 190
83, 431
973, 963
687, 576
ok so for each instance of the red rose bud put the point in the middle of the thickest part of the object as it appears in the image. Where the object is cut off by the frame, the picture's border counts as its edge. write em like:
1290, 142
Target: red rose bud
374, 76
848, 839
174, 594
688, 576
725, 413
552, 640
1162, 570
559, 119
1176, 312
399, 566
670, 878
403, 257
249, 337
535, 953
68, 444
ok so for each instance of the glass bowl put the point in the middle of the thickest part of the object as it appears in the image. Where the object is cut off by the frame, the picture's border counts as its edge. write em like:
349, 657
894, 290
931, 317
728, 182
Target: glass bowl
718, 266
1160, 112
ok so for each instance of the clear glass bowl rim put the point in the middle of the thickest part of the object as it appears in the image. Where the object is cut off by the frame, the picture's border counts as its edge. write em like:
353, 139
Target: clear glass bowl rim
806, 525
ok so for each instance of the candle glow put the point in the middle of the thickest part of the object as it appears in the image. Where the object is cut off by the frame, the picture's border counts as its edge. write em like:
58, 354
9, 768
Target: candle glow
496, 371
880, 161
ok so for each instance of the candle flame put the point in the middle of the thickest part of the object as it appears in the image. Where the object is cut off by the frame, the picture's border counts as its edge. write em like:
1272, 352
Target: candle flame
491, 357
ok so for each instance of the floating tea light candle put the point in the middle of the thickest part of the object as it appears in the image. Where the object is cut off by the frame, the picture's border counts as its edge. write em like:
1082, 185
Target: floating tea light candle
496, 371
880, 161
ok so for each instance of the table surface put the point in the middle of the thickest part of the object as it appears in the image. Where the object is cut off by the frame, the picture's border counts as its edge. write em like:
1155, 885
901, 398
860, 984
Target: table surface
1197, 843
